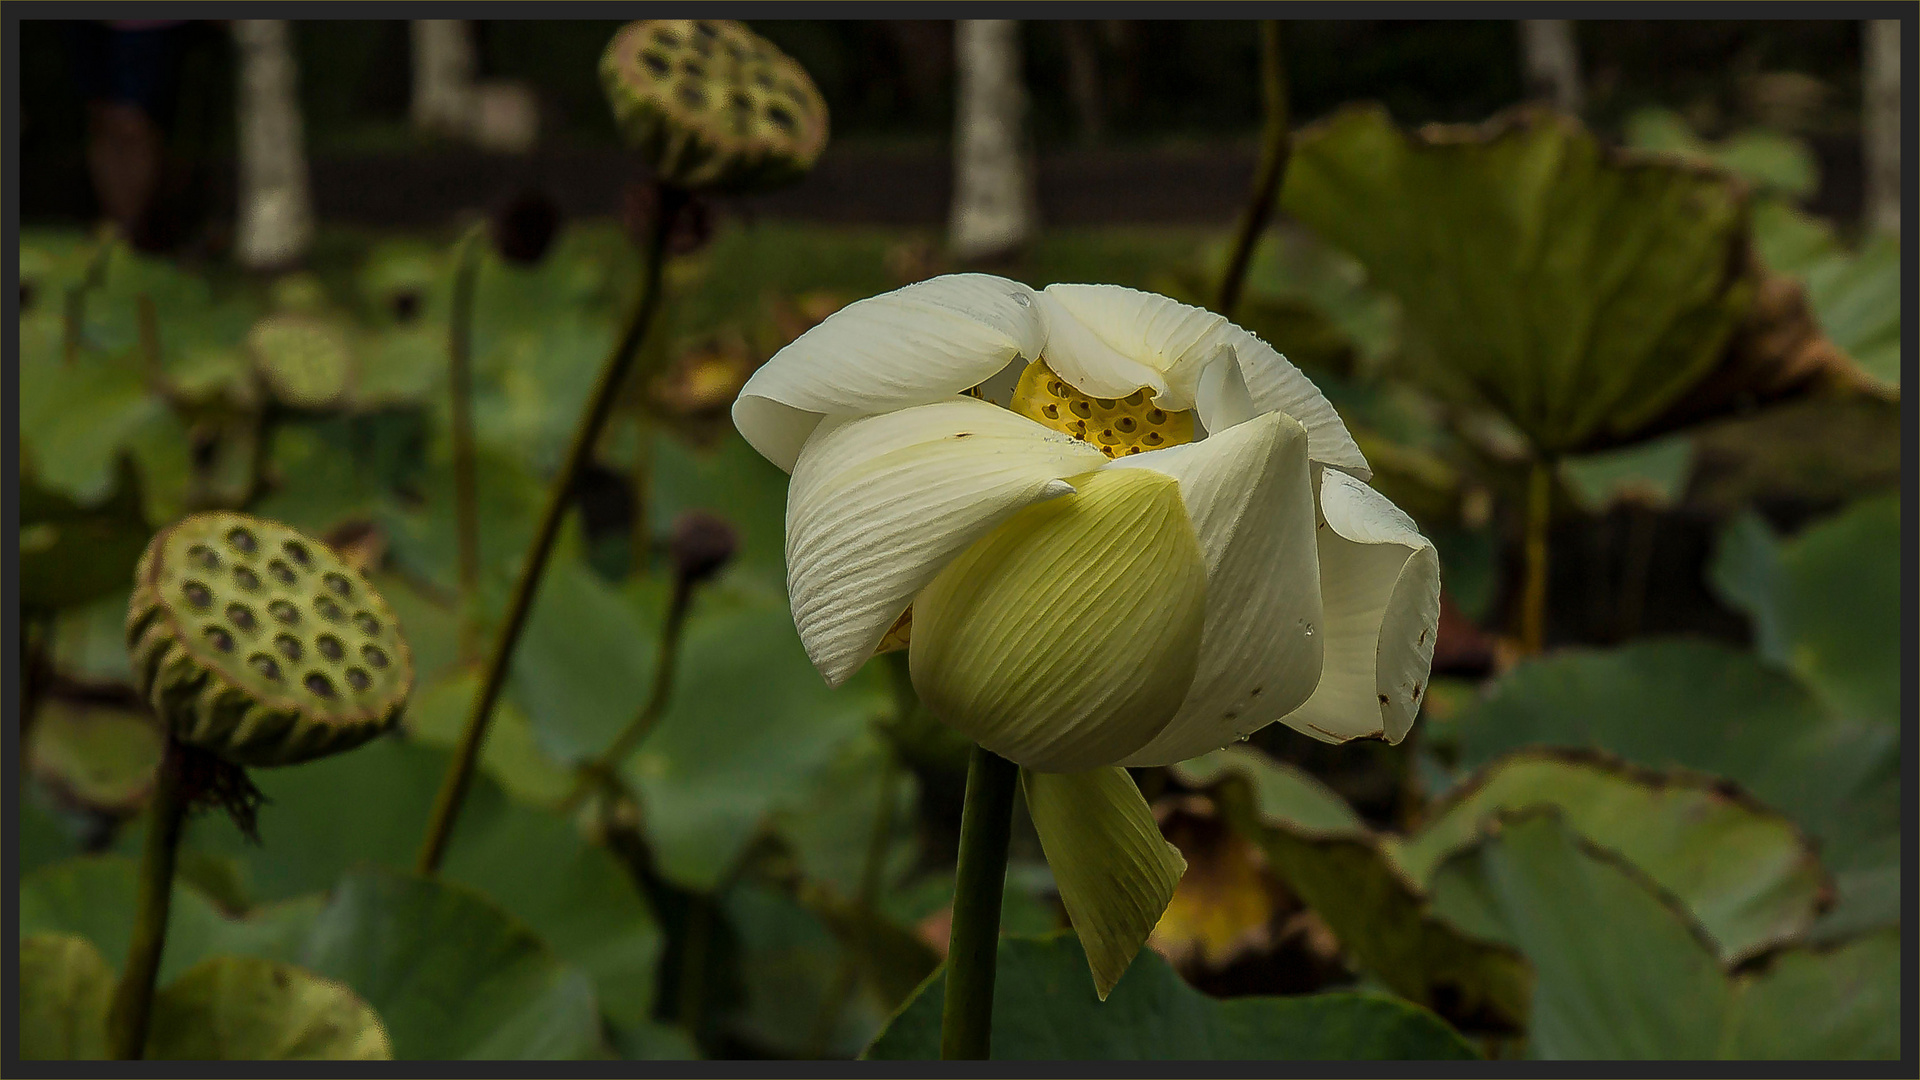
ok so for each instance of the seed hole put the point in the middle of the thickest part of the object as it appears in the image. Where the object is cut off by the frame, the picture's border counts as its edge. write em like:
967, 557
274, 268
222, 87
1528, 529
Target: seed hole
373, 655
1052, 412
288, 646
1152, 438
285, 612
1137, 397
358, 679
281, 572
219, 638
241, 616
1106, 402
197, 594
329, 646
1132, 450
328, 610
338, 583
319, 684
246, 578
242, 541
203, 556
297, 551
1126, 423
656, 64
692, 97
693, 69
1081, 409
368, 624
265, 665
782, 119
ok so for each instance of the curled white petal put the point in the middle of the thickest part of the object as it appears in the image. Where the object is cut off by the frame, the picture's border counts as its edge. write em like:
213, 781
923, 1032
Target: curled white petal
912, 346
1274, 385
1173, 339
1380, 586
1250, 497
880, 504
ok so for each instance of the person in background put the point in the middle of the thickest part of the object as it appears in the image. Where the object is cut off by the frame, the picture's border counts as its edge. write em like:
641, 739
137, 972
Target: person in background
129, 72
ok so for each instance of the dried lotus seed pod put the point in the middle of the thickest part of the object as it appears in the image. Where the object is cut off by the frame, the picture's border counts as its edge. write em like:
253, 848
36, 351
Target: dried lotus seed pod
306, 362
260, 645
711, 104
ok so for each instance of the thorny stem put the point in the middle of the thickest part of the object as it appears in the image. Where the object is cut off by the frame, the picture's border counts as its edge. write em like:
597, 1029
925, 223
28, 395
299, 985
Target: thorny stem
600, 771
586, 434
133, 997
986, 823
1533, 610
1276, 146
466, 499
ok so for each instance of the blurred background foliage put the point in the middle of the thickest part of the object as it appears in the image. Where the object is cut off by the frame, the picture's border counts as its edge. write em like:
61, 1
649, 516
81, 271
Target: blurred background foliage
1674, 834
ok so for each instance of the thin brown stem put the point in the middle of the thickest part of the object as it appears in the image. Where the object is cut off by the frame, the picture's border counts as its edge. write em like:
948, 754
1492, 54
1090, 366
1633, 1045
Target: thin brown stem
1276, 146
601, 771
453, 790
1533, 610
466, 497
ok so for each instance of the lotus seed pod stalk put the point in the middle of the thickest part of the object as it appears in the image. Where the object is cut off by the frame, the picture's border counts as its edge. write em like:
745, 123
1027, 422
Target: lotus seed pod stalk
261, 645
712, 105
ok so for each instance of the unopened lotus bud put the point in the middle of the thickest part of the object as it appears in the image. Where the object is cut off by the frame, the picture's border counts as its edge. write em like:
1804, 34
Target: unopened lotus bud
710, 104
261, 645
702, 544
524, 227
305, 361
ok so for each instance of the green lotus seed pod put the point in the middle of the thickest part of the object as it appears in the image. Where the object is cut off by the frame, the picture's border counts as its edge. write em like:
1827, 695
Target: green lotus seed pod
711, 104
305, 361
258, 644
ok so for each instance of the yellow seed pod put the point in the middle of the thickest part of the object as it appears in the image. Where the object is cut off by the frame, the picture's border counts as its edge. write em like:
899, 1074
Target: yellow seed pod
306, 361
259, 644
1117, 427
712, 105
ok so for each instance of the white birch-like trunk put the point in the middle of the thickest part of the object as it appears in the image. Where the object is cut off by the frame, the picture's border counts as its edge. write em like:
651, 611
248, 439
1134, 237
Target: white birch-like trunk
1880, 129
276, 209
1552, 63
993, 201
444, 66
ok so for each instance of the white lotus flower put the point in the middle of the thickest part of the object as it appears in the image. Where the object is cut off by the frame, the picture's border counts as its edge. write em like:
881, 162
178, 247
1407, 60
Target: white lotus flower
1163, 543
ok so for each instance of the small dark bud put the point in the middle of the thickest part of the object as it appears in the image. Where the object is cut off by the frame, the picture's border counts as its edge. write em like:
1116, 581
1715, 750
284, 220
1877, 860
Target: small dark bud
689, 231
702, 544
524, 227
26, 295
406, 305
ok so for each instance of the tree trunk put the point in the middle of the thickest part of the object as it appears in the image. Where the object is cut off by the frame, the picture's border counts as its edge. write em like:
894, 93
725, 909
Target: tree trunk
444, 65
276, 210
993, 211
1881, 125
1552, 63
1083, 78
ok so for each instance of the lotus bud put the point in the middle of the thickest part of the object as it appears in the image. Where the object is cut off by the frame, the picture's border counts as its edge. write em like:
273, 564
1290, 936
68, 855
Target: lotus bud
710, 104
260, 645
702, 544
524, 226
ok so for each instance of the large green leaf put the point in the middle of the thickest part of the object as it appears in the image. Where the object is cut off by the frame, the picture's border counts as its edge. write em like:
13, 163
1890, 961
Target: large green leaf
1346, 873
789, 962
751, 724
370, 806
1857, 298
237, 1008
66, 988
1749, 876
1044, 1009
453, 976
450, 973
1622, 973
585, 663
1769, 160
1825, 604
71, 554
1578, 293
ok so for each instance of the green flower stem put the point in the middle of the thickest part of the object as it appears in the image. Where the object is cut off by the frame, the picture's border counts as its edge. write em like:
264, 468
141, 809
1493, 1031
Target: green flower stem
1276, 147
1533, 609
133, 997
601, 771
586, 434
986, 822
466, 497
